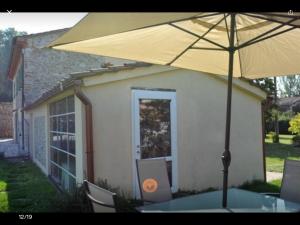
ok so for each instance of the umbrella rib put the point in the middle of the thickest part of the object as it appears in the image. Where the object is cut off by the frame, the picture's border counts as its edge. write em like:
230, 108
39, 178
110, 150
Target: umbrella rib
270, 36
267, 32
237, 41
199, 37
269, 19
196, 35
216, 49
227, 27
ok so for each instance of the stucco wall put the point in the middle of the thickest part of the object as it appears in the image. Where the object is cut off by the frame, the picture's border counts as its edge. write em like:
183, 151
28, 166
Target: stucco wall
39, 132
39, 136
201, 108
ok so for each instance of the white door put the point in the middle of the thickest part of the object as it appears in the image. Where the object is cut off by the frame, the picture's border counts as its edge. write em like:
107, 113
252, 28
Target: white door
154, 130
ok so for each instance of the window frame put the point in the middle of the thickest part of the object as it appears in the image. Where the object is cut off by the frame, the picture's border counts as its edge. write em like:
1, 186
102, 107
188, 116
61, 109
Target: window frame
54, 114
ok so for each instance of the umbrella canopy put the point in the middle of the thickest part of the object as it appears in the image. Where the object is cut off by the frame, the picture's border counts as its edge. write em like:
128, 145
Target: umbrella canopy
186, 40
249, 45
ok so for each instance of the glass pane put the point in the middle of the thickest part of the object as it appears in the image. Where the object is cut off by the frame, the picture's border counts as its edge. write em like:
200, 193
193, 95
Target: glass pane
155, 128
54, 172
64, 180
72, 144
62, 159
53, 124
72, 184
71, 104
54, 155
169, 168
62, 123
64, 142
57, 140
61, 106
54, 139
52, 109
71, 123
72, 167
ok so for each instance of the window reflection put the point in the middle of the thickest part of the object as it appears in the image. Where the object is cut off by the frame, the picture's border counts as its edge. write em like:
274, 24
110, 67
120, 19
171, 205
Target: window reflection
155, 128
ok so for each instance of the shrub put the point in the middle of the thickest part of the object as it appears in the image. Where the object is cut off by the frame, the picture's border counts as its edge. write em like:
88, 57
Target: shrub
183, 193
124, 203
295, 124
273, 136
75, 201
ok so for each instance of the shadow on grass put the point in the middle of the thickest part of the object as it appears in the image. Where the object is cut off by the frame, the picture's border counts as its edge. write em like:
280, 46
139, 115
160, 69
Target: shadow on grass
282, 151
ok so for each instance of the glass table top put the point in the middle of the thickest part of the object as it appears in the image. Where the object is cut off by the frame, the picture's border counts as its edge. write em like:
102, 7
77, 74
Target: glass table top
237, 201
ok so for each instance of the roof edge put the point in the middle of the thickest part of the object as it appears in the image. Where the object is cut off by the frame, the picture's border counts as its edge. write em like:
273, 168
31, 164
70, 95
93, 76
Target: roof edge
65, 84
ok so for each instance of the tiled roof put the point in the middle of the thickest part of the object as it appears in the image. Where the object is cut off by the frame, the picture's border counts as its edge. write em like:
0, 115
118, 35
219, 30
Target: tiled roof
70, 81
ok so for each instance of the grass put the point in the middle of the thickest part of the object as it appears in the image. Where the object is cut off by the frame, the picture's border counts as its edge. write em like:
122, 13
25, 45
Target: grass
260, 186
276, 153
24, 188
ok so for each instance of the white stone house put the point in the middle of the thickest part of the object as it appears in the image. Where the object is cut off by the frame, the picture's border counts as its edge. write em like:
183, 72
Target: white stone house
95, 124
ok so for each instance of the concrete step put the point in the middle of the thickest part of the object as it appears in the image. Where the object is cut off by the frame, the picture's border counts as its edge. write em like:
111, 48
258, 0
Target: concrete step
8, 148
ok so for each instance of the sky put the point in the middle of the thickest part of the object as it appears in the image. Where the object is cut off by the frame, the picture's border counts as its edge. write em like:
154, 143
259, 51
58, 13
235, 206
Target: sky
38, 22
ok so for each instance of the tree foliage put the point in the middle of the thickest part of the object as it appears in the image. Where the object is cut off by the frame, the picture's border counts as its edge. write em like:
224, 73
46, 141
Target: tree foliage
295, 124
6, 37
266, 84
290, 86
270, 108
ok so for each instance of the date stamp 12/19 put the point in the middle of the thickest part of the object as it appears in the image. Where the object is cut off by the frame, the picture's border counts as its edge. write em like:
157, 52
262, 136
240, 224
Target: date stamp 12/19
25, 216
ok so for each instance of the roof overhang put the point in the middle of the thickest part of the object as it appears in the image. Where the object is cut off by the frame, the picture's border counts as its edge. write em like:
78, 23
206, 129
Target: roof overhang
15, 57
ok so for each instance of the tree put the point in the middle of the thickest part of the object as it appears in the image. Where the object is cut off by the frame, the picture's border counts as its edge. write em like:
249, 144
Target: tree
290, 86
268, 85
6, 37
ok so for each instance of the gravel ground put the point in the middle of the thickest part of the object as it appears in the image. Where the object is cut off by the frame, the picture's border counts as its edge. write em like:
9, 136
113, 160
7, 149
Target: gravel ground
273, 176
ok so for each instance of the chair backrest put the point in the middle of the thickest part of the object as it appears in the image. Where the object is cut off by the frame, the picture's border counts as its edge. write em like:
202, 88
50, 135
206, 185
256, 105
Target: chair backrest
101, 200
290, 187
153, 180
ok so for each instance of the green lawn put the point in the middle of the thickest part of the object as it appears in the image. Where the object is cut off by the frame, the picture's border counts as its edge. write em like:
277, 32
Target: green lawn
24, 188
260, 186
276, 153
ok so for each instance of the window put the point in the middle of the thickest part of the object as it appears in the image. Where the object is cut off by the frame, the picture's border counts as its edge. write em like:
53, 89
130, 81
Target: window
62, 143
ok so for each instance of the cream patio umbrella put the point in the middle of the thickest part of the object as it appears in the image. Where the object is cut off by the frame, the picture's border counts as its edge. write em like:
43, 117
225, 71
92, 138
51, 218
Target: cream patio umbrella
249, 45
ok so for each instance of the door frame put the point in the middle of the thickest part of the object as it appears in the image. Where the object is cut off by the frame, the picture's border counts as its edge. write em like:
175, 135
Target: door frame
136, 94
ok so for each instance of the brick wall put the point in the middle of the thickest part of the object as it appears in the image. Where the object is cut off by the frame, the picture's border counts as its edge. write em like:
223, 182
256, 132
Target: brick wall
5, 119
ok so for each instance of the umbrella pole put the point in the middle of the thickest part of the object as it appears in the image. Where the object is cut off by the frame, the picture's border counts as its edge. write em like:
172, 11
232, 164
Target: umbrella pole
226, 157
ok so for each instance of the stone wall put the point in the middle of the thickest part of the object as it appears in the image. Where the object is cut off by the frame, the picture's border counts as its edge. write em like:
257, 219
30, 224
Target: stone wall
44, 67
5, 120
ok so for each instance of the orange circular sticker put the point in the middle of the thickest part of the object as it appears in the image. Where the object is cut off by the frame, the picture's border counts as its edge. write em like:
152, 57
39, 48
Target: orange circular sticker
150, 185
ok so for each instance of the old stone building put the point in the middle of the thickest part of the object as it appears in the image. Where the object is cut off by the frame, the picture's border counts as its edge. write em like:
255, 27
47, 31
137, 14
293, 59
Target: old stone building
35, 69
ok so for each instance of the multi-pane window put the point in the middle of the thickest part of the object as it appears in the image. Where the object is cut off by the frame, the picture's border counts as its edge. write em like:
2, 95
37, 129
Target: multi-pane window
62, 143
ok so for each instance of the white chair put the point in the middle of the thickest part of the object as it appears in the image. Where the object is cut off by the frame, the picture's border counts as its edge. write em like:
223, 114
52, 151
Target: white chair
101, 200
290, 185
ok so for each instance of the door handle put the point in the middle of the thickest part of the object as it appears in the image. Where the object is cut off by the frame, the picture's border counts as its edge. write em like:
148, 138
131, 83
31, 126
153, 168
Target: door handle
143, 146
